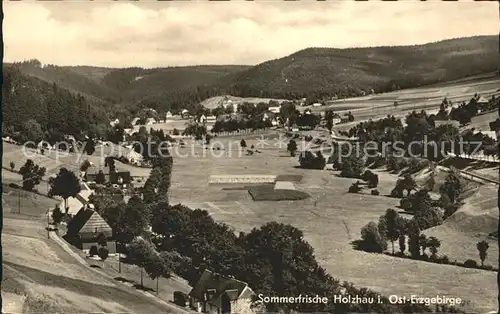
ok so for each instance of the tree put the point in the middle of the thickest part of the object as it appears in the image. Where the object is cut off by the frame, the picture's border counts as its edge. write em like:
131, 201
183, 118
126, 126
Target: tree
110, 163
103, 254
100, 177
140, 253
453, 186
413, 239
133, 220
12, 166
422, 240
65, 184
243, 144
352, 166
89, 147
433, 244
329, 120
371, 239
32, 174
391, 221
101, 239
57, 215
292, 147
156, 267
32, 131
85, 165
482, 247
408, 183
402, 243
175, 132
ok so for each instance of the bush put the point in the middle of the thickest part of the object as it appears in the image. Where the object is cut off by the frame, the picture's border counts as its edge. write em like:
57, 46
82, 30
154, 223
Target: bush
375, 192
405, 203
354, 188
14, 186
397, 192
371, 239
470, 263
180, 298
93, 250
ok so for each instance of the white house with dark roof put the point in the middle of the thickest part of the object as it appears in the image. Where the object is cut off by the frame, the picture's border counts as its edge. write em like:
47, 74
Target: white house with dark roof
217, 294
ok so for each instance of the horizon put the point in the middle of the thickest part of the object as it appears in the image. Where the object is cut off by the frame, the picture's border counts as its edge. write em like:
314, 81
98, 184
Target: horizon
175, 34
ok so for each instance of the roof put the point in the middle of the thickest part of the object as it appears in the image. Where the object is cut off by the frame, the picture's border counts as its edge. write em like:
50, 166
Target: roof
88, 221
482, 100
221, 284
76, 203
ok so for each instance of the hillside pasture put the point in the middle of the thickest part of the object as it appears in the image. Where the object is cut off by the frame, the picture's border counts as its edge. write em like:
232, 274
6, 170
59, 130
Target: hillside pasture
330, 219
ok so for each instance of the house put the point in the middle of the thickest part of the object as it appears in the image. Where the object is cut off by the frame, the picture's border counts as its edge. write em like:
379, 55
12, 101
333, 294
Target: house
74, 204
317, 104
168, 115
274, 109
117, 177
85, 227
114, 122
214, 293
134, 121
150, 121
203, 119
211, 119
184, 113
134, 157
482, 101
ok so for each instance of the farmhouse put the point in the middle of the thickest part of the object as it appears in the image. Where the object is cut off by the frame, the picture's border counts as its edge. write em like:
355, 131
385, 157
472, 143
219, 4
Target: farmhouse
117, 177
85, 227
74, 204
214, 293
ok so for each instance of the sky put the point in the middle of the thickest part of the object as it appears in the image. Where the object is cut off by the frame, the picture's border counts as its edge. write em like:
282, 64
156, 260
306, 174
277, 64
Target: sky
175, 33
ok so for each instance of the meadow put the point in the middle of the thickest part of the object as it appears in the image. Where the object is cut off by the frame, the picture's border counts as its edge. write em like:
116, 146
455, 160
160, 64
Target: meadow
330, 219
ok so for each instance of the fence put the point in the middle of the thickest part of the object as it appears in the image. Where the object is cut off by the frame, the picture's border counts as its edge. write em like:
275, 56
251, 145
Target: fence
242, 132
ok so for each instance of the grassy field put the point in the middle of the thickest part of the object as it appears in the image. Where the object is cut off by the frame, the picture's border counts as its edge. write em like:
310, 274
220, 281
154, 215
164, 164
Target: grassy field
331, 218
40, 277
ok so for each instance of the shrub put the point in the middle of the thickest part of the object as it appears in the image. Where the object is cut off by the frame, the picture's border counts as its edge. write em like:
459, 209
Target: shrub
93, 250
470, 263
405, 203
375, 192
180, 298
14, 186
371, 239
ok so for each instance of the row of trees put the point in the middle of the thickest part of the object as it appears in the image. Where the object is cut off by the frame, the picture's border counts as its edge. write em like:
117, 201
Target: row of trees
391, 228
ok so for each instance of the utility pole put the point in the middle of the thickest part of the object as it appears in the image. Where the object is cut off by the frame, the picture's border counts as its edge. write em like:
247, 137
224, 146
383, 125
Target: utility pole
48, 223
19, 202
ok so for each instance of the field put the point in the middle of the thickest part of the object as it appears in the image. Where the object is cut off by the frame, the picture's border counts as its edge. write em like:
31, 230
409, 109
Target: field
428, 98
330, 219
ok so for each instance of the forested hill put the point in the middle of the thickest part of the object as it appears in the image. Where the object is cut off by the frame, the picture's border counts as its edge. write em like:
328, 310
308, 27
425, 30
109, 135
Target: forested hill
314, 73
348, 71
